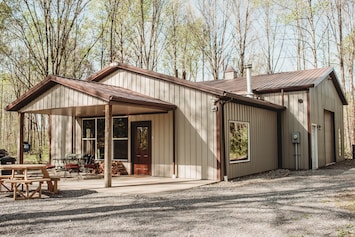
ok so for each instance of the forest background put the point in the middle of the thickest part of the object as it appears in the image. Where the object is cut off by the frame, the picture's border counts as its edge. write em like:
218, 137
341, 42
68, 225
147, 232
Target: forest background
194, 39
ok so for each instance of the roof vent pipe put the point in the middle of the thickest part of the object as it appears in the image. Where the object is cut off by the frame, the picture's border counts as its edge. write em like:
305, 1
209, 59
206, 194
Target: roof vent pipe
248, 72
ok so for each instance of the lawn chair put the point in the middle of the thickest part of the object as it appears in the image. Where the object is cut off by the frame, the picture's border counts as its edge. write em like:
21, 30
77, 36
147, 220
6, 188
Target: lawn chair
71, 164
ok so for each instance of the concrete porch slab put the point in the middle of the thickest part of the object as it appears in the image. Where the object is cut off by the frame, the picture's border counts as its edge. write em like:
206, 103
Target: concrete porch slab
131, 184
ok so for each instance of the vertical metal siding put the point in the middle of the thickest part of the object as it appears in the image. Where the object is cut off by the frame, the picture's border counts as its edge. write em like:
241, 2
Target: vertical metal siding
195, 123
61, 130
294, 119
263, 139
61, 97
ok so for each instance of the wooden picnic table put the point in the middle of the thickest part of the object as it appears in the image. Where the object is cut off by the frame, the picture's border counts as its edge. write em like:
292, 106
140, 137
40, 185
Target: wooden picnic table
21, 175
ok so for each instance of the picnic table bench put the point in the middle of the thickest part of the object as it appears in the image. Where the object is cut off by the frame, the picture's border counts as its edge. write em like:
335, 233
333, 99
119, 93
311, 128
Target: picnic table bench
26, 193
20, 176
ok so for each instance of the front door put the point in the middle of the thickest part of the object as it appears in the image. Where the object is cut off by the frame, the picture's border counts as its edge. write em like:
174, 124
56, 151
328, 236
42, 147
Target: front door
141, 148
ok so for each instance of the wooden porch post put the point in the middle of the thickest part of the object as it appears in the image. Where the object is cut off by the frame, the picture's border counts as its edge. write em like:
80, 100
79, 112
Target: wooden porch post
108, 146
20, 137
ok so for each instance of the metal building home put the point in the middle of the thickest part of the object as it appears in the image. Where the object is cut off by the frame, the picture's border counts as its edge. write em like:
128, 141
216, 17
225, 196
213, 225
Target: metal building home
312, 123
165, 126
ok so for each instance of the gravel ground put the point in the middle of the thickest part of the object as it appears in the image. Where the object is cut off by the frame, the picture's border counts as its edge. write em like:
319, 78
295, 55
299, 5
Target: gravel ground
276, 203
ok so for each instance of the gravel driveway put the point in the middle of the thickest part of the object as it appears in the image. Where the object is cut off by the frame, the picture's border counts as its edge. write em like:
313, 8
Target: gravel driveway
276, 203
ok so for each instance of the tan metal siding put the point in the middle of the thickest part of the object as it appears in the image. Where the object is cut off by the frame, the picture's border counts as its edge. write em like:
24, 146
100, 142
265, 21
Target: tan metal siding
294, 119
195, 123
263, 139
61, 97
61, 130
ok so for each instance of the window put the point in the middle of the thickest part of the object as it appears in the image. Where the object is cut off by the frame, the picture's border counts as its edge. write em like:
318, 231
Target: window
89, 136
120, 138
94, 137
238, 142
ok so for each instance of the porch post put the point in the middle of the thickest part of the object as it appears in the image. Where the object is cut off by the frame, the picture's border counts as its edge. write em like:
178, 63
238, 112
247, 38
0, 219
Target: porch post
20, 137
108, 146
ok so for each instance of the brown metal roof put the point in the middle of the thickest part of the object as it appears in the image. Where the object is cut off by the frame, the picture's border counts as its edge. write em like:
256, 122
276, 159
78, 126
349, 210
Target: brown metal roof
98, 76
112, 94
286, 81
104, 92
219, 92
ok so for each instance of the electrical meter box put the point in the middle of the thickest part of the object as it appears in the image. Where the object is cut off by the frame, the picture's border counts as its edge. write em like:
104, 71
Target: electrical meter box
296, 136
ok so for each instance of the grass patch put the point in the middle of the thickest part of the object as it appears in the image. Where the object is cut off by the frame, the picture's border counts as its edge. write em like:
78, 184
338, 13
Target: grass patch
346, 231
35, 158
346, 201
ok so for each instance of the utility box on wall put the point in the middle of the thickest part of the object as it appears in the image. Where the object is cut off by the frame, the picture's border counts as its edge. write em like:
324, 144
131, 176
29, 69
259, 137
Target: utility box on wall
296, 137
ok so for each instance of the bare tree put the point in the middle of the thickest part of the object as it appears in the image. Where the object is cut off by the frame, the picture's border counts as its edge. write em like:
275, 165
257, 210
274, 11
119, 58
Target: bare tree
215, 39
241, 32
148, 39
47, 38
182, 51
274, 35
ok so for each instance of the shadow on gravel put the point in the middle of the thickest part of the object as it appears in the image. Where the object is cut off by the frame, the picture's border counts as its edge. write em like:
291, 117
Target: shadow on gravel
73, 193
270, 200
296, 194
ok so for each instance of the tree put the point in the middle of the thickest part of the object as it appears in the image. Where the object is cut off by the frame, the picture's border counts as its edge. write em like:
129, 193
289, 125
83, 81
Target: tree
47, 37
241, 32
148, 39
182, 51
273, 37
214, 40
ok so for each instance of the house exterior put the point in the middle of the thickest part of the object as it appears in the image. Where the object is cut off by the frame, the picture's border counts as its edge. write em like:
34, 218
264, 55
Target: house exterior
165, 126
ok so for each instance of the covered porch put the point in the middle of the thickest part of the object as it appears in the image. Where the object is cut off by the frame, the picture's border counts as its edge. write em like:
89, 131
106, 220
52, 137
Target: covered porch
77, 100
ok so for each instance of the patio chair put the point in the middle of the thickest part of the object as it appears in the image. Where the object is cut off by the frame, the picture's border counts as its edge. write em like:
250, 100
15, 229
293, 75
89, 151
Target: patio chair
89, 163
71, 164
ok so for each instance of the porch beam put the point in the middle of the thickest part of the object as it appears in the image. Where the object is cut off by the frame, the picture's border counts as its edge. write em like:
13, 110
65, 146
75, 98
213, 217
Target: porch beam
108, 146
21, 118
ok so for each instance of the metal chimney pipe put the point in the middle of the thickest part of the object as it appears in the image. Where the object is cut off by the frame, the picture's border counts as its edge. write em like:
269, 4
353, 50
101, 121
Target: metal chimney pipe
248, 68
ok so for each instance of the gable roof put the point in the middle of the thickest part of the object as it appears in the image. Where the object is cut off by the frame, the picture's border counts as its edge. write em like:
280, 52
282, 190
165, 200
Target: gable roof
104, 92
286, 81
219, 92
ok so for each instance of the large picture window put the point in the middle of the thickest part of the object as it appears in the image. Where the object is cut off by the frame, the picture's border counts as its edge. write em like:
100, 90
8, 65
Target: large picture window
93, 136
238, 141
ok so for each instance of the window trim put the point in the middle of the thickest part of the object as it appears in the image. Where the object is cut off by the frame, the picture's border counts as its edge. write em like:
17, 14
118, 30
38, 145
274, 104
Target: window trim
113, 139
121, 139
229, 143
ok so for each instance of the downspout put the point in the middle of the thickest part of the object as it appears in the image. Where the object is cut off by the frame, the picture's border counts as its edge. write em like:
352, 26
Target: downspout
223, 143
279, 139
221, 162
219, 143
